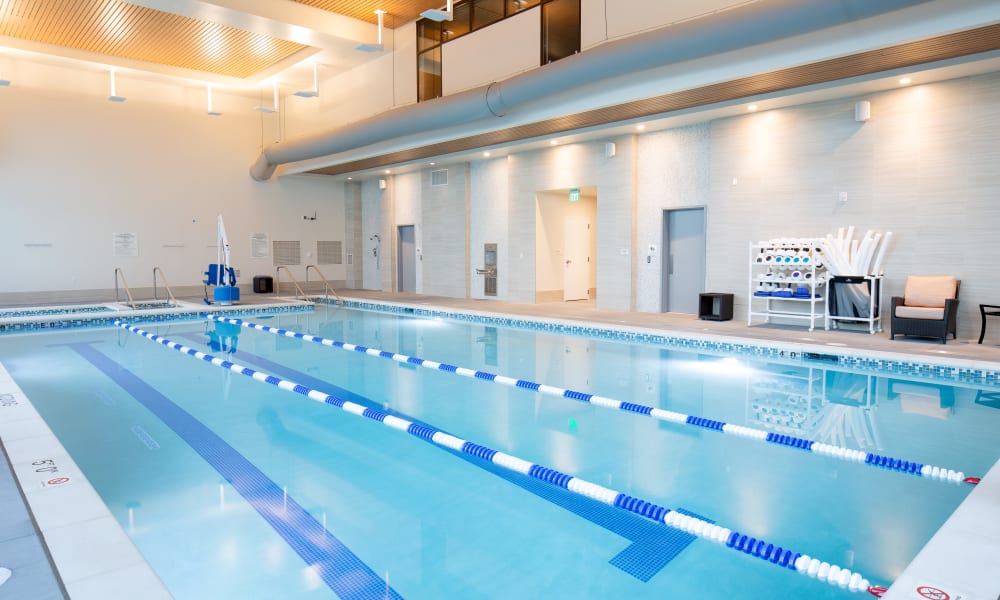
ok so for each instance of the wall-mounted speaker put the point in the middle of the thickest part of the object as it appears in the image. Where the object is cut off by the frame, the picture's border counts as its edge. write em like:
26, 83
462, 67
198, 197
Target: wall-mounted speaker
610, 149
862, 111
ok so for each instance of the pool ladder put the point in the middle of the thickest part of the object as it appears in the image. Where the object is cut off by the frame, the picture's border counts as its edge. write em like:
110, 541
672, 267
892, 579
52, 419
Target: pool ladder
166, 286
128, 292
295, 282
119, 274
329, 288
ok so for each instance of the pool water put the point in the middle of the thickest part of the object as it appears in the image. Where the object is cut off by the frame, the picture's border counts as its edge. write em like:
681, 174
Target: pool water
234, 488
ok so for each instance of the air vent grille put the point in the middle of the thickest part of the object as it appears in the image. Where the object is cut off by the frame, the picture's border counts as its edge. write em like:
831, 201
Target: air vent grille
439, 177
286, 252
329, 253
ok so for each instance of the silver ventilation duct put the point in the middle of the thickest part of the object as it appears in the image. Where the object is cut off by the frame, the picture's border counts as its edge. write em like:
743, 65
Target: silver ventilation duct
747, 25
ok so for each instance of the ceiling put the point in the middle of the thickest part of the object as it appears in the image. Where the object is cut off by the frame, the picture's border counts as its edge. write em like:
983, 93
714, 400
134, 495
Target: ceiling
222, 41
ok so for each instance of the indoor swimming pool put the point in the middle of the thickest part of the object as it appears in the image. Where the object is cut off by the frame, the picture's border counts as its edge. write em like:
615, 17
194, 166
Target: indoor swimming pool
356, 454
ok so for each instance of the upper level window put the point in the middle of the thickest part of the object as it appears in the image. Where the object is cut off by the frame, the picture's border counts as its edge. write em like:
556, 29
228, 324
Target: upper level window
560, 33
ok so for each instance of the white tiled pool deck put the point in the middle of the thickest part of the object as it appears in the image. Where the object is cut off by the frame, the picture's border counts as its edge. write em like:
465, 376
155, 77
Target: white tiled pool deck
95, 558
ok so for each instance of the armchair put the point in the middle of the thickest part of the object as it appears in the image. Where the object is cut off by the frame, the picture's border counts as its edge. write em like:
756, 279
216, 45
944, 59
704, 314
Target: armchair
928, 307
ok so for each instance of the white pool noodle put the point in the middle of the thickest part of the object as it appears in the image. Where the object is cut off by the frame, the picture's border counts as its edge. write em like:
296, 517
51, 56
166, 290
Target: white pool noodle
849, 238
862, 256
866, 265
877, 266
854, 251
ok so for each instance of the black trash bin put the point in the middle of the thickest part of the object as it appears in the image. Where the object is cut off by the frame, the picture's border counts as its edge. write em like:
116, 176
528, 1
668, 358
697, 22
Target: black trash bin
263, 284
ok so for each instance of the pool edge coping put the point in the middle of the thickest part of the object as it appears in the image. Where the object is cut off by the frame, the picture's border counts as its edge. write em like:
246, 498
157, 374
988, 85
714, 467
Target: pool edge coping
101, 570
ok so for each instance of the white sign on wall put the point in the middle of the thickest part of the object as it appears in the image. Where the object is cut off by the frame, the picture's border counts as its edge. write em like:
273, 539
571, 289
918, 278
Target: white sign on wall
125, 244
259, 245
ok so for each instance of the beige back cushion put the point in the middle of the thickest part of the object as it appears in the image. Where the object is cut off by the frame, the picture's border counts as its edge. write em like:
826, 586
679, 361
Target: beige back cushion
929, 290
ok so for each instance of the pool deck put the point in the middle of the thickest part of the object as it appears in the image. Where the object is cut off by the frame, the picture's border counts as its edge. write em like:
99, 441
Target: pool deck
961, 559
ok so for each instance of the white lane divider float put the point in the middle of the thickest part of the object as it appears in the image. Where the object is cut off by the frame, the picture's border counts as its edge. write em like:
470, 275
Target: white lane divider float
840, 452
800, 563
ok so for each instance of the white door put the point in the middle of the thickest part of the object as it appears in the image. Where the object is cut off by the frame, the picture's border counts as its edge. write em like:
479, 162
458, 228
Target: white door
576, 257
683, 274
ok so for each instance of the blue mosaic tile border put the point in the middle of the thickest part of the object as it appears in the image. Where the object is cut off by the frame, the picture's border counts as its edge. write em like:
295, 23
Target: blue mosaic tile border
885, 366
107, 319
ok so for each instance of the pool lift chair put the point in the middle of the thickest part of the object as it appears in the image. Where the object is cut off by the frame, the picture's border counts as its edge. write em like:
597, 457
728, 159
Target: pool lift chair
221, 275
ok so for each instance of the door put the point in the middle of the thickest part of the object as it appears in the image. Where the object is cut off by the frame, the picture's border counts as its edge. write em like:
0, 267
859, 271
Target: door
407, 259
576, 257
683, 275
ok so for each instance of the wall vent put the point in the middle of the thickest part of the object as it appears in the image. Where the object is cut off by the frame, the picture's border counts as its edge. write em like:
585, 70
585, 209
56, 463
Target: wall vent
286, 253
329, 253
439, 177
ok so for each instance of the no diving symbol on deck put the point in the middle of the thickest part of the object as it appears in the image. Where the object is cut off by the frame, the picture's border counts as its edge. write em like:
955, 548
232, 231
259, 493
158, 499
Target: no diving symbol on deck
932, 593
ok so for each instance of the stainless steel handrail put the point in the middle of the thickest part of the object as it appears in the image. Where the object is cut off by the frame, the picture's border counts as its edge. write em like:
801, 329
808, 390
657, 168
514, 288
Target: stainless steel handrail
277, 282
128, 292
329, 287
165, 284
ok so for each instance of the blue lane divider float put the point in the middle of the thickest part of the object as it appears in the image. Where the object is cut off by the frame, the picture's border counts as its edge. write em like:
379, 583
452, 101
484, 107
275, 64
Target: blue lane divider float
800, 563
856, 456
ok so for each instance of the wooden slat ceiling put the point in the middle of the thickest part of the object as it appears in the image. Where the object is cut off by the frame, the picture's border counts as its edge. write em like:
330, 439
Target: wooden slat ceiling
123, 30
400, 11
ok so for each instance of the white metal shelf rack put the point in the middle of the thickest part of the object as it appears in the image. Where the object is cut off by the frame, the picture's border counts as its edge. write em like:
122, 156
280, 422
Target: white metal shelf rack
778, 272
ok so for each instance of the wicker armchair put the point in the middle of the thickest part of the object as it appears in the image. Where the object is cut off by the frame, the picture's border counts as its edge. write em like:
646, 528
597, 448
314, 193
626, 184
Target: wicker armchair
928, 308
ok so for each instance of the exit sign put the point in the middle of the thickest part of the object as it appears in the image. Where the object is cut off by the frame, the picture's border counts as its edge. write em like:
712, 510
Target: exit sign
574, 194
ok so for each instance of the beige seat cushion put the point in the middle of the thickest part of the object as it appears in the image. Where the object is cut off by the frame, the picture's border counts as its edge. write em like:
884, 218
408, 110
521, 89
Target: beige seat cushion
928, 290
919, 312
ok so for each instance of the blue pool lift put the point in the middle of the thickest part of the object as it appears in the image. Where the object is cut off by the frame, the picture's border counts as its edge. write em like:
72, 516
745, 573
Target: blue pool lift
221, 275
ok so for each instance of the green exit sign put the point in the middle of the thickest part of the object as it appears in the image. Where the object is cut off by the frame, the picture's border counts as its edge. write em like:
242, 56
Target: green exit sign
574, 194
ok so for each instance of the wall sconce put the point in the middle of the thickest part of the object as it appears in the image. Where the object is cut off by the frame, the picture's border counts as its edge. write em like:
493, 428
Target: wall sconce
374, 47
862, 111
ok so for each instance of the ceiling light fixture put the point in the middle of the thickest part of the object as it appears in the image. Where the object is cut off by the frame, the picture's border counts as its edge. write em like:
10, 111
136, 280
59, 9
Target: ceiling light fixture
3, 82
640, 127
114, 97
315, 91
553, 142
486, 154
211, 112
374, 47
905, 81
439, 15
752, 107
270, 109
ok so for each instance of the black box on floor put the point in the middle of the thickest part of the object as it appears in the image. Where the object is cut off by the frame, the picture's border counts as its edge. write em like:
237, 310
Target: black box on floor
263, 284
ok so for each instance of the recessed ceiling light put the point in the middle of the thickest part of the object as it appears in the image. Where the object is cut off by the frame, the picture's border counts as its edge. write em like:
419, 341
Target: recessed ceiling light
486, 154
905, 80
350, 178
387, 171
752, 107
432, 164
553, 142
640, 127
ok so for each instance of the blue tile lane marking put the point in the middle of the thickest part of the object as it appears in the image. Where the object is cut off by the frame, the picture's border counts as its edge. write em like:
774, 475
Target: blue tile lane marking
642, 533
855, 456
831, 573
342, 571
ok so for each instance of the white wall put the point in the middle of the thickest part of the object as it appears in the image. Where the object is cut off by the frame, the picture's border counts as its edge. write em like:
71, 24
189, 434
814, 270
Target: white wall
77, 169
445, 239
407, 196
488, 206
493, 53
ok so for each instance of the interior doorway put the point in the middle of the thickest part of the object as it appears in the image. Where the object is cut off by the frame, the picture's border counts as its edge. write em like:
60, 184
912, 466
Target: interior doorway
407, 259
566, 245
684, 254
